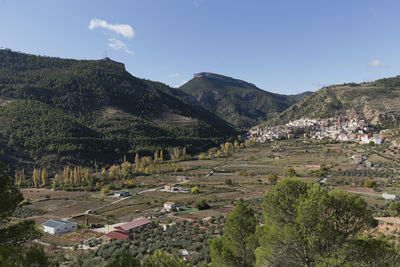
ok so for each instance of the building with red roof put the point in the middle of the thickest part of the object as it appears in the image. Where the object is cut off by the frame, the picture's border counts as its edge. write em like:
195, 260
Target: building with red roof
117, 235
133, 224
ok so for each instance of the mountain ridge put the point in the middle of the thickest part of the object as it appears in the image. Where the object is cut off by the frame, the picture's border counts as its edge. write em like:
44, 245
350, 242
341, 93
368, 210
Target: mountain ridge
120, 111
377, 102
240, 103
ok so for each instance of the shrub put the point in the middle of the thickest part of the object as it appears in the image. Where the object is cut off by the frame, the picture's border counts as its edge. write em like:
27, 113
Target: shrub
105, 190
228, 181
195, 190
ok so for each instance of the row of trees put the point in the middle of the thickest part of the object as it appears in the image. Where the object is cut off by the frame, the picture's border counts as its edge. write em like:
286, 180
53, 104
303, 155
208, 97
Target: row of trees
39, 178
143, 165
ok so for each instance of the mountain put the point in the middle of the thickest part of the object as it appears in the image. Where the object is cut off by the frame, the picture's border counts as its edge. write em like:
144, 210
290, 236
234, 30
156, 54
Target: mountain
64, 110
241, 103
377, 102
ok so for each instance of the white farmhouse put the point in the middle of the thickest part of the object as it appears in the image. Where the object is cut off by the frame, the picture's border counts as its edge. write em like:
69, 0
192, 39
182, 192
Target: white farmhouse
58, 226
169, 206
389, 196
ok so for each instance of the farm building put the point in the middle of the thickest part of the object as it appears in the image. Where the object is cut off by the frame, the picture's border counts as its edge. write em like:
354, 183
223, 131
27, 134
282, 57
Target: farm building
169, 187
120, 194
169, 206
389, 196
58, 226
116, 235
182, 178
133, 224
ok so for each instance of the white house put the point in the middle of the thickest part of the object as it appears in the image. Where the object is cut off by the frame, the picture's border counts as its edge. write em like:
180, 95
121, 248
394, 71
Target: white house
58, 226
389, 196
169, 206
120, 194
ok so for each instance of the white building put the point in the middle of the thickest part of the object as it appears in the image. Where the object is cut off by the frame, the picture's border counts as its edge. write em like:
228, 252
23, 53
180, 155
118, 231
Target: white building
389, 196
169, 206
58, 226
121, 194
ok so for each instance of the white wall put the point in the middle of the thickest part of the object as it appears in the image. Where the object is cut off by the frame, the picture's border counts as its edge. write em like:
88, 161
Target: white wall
60, 229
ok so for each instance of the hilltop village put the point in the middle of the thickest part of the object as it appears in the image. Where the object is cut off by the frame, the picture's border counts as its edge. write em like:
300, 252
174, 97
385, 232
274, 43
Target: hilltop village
341, 129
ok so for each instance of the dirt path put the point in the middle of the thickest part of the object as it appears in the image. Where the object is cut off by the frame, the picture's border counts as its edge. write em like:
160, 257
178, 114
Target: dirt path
220, 165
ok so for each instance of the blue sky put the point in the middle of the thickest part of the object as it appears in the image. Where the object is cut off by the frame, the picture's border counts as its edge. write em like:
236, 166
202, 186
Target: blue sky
281, 46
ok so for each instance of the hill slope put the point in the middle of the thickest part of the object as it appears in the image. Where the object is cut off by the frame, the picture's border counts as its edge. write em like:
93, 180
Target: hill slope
86, 110
377, 102
238, 102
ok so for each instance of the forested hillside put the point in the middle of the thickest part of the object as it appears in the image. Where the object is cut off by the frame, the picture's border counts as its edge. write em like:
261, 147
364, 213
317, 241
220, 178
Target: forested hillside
241, 103
58, 110
377, 102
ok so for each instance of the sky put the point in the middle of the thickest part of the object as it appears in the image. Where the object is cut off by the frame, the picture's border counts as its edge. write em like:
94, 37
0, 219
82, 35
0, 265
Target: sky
281, 46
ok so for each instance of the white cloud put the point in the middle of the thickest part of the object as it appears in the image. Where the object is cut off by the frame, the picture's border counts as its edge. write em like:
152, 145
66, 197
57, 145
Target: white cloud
118, 45
123, 29
376, 64
174, 75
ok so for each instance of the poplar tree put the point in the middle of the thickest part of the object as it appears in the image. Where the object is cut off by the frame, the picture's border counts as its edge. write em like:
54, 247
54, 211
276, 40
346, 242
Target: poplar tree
137, 161
44, 176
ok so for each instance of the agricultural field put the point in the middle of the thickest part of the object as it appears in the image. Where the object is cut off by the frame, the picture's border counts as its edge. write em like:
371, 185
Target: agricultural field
244, 174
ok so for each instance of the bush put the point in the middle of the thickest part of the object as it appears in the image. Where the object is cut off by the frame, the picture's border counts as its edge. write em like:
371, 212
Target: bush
370, 183
201, 204
195, 190
105, 190
228, 181
272, 179
291, 172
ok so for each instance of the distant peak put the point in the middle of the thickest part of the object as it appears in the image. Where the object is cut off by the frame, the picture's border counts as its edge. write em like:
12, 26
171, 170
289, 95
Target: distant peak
224, 79
208, 75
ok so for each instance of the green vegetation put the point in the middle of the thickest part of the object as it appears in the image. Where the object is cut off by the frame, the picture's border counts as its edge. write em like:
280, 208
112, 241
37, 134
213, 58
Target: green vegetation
329, 225
363, 100
238, 242
236, 101
82, 111
15, 236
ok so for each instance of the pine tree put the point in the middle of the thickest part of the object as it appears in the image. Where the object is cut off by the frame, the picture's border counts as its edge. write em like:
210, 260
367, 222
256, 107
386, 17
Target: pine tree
238, 242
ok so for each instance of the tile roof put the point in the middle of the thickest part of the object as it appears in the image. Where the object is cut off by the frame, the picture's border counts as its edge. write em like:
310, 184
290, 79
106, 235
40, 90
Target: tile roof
118, 235
133, 224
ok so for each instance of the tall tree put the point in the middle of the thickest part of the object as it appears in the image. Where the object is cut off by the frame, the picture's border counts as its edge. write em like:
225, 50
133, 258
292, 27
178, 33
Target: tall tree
44, 176
238, 242
308, 225
13, 235
156, 156
137, 161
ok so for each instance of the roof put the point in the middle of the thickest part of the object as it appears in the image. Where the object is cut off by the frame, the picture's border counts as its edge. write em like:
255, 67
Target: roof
118, 235
133, 224
56, 223
121, 192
